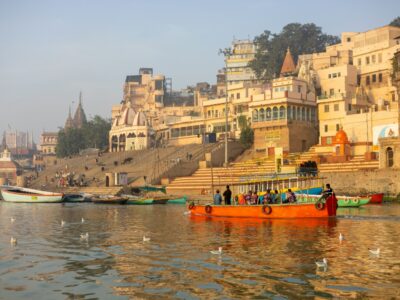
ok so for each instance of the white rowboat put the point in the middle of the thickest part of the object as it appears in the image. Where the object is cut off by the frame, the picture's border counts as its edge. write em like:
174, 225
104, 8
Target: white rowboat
16, 194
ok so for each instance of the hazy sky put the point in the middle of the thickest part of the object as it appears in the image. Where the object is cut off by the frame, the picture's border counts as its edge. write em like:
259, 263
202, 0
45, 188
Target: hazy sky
50, 50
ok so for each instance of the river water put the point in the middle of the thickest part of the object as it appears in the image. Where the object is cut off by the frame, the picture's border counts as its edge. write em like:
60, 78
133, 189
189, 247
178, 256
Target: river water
260, 259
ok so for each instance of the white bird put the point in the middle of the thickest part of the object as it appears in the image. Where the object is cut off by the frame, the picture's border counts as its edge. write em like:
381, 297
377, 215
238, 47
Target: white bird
341, 237
217, 252
322, 264
85, 236
62, 223
375, 252
83, 220
146, 239
12, 220
13, 240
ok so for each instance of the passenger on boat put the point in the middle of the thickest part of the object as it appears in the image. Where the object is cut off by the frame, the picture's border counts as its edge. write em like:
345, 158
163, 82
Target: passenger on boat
261, 199
248, 198
241, 199
217, 198
254, 198
268, 197
290, 196
277, 197
227, 195
327, 192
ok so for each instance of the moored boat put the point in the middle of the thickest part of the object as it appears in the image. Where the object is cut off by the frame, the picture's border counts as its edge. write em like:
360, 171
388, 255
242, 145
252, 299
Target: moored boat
320, 209
109, 199
376, 198
181, 200
24, 195
79, 197
343, 201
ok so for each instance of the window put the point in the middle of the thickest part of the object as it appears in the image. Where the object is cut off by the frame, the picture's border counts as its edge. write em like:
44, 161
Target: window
348, 39
334, 75
373, 58
326, 128
329, 75
379, 57
159, 85
331, 92
326, 108
367, 60
349, 106
374, 78
358, 80
338, 74
299, 88
389, 157
359, 62
367, 80
337, 127
238, 96
275, 113
336, 107
380, 77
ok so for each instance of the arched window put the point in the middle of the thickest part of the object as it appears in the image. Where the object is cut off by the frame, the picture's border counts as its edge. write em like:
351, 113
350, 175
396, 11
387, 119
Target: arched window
275, 113
262, 115
313, 114
281, 112
289, 112
303, 113
268, 114
255, 115
389, 157
294, 114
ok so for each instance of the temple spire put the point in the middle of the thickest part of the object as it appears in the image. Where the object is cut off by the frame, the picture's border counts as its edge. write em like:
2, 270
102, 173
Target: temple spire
288, 66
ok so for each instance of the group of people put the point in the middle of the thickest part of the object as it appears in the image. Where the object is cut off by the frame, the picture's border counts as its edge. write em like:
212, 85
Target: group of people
270, 197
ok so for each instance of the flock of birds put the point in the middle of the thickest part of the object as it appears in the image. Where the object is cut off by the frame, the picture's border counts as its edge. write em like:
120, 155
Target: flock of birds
324, 262
83, 236
320, 264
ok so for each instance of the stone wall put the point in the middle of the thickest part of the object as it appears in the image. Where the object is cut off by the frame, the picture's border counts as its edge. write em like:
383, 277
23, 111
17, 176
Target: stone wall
362, 182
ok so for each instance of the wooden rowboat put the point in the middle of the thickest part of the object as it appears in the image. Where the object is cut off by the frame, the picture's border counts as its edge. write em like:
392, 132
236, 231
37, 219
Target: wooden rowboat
181, 200
343, 201
109, 199
273, 211
24, 195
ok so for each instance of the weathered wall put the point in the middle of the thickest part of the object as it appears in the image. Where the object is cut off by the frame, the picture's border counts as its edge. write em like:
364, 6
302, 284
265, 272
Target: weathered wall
362, 182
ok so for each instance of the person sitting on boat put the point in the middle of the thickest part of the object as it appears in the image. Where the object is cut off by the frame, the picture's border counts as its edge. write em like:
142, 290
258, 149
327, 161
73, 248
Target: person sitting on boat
217, 198
268, 196
277, 197
241, 199
254, 198
290, 196
248, 198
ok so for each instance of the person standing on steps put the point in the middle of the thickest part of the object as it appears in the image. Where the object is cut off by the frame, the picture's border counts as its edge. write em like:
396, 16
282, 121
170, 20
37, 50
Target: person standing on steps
227, 195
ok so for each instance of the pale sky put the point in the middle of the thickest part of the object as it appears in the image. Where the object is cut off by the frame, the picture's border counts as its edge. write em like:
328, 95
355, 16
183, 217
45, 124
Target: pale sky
50, 50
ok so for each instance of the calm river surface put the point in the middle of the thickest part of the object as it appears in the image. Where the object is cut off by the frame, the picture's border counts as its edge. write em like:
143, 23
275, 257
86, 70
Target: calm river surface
260, 259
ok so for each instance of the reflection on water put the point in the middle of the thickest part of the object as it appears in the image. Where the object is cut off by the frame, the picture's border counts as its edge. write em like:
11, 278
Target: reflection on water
260, 259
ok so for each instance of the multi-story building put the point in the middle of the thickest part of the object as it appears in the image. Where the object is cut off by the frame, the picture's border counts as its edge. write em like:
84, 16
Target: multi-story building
19, 143
48, 142
237, 69
355, 88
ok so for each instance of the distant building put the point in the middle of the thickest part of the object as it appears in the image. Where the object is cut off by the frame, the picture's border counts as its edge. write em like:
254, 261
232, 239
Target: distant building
79, 118
8, 168
48, 143
19, 143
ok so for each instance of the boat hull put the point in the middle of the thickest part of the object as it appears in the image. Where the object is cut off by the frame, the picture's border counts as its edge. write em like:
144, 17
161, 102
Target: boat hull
273, 211
109, 200
177, 200
10, 196
140, 201
376, 198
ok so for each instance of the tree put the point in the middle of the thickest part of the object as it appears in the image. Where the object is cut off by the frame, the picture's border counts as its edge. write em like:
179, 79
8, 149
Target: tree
94, 134
395, 22
246, 132
300, 38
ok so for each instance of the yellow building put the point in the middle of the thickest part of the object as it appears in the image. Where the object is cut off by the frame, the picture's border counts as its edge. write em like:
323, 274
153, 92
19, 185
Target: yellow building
48, 143
355, 89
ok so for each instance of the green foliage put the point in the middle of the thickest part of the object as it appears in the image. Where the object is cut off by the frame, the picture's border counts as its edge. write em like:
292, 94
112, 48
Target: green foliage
94, 134
246, 132
395, 22
247, 137
300, 38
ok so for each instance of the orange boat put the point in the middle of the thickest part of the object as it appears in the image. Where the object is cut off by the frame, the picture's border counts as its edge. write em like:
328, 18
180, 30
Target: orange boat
270, 211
